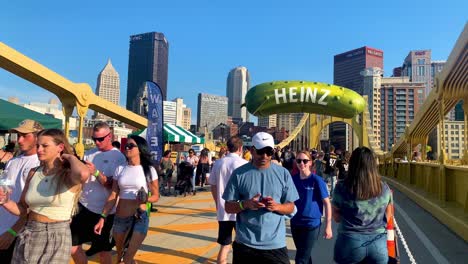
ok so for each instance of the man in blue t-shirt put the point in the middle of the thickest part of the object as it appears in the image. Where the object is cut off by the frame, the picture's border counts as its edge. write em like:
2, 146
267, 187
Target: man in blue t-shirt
261, 194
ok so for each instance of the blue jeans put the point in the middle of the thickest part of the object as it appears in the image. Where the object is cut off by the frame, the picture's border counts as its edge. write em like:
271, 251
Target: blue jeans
123, 224
354, 248
304, 238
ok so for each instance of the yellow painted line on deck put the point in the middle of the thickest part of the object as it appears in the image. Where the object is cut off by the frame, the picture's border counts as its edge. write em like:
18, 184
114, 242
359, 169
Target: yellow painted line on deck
179, 256
182, 227
163, 212
198, 201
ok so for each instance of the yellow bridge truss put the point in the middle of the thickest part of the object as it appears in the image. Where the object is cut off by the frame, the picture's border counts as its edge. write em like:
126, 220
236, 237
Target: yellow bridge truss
79, 95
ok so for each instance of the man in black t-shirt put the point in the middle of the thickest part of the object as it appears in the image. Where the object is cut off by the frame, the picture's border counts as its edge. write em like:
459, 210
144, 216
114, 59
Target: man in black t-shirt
330, 169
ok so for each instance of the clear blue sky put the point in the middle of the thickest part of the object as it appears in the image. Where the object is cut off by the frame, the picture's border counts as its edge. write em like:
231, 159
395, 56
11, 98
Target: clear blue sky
275, 40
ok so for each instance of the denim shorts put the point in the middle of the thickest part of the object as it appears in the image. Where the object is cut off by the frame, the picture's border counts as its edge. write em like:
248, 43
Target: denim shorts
353, 248
123, 224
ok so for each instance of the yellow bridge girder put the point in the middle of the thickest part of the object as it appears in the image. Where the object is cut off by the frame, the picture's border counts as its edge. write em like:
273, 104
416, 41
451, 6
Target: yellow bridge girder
318, 122
79, 95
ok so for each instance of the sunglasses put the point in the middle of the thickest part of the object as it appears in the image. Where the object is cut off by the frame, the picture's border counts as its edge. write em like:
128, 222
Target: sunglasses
302, 160
268, 151
130, 146
100, 139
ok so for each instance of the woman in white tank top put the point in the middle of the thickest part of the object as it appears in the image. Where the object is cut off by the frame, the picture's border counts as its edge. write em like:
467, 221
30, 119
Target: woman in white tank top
131, 213
50, 195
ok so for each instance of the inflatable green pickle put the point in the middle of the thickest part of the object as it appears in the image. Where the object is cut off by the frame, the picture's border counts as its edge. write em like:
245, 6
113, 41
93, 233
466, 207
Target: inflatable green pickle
303, 97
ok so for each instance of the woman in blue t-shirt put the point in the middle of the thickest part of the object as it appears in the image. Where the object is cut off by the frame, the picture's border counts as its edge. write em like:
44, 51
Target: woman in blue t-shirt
361, 204
313, 195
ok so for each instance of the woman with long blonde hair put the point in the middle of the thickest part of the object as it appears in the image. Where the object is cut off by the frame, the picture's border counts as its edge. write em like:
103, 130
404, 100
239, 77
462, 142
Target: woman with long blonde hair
49, 198
361, 205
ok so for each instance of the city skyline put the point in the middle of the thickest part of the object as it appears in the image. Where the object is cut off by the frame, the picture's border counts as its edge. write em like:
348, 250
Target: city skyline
202, 51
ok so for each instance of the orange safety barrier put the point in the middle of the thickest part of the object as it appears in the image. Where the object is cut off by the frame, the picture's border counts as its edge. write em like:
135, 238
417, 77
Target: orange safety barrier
393, 256
391, 236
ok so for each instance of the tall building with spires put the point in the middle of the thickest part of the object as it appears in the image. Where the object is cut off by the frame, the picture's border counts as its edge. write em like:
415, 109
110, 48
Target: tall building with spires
238, 82
108, 87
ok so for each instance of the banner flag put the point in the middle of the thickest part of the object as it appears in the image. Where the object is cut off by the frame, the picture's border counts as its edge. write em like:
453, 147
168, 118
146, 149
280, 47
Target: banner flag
154, 132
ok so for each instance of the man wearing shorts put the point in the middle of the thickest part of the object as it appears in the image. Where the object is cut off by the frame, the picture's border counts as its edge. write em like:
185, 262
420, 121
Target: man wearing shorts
262, 194
220, 174
102, 162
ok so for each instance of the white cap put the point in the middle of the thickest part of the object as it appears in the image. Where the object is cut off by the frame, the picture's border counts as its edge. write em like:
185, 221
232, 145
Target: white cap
263, 140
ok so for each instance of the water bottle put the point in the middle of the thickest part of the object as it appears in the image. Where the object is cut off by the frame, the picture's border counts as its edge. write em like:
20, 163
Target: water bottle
5, 190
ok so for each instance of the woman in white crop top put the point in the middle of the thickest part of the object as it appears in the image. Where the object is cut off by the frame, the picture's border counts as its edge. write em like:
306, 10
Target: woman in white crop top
49, 197
131, 210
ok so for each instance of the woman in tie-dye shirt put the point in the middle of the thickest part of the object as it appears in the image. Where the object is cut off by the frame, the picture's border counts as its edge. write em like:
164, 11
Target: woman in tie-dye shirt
361, 207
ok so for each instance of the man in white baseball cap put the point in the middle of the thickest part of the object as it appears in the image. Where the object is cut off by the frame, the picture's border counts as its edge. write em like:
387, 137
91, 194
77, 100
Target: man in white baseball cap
261, 193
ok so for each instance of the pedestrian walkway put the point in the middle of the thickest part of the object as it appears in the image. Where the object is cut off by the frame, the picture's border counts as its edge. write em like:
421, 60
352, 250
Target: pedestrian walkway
185, 229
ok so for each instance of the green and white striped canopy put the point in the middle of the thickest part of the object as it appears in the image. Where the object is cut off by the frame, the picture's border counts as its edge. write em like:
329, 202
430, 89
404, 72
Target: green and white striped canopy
174, 133
177, 134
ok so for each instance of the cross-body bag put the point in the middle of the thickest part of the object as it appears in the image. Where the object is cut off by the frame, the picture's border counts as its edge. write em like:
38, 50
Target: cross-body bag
148, 184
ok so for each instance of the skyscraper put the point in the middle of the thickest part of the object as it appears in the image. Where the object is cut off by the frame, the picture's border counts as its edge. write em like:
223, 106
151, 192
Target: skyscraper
267, 121
288, 121
347, 68
108, 87
372, 86
170, 112
400, 100
417, 66
238, 82
148, 61
187, 118
212, 111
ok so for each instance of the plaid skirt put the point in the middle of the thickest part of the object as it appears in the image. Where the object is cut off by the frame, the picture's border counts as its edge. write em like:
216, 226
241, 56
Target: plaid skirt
43, 243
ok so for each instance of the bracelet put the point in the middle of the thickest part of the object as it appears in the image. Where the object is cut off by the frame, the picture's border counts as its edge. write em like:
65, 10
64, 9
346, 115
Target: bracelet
103, 215
96, 174
12, 232
240, 205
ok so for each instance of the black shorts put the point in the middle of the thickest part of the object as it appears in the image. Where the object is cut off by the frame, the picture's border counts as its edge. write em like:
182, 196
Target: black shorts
225, 232
6, 255
244, 254
82, 229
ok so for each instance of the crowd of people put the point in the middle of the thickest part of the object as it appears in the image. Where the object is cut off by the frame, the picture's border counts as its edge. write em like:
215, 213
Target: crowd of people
256, 197
56, 202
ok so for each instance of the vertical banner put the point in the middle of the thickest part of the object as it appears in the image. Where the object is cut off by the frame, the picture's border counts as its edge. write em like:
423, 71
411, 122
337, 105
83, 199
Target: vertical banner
154, 132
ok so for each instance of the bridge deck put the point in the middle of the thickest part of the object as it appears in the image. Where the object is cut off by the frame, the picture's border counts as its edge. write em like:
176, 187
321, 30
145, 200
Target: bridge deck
184, 230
